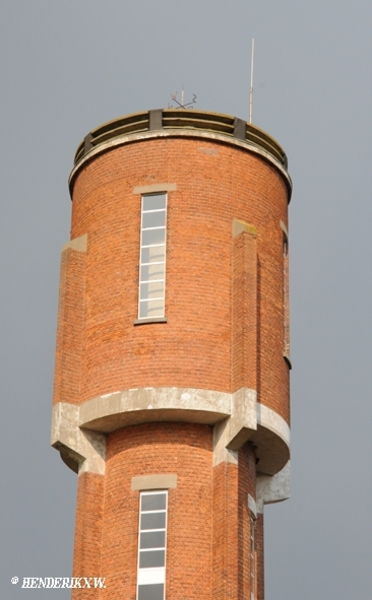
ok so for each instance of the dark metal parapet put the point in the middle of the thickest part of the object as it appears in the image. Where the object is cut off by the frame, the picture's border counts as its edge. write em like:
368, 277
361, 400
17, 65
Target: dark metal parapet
163, 119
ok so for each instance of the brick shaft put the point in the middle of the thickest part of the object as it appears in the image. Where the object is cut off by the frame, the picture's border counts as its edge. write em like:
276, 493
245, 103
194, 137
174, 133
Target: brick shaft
226, 316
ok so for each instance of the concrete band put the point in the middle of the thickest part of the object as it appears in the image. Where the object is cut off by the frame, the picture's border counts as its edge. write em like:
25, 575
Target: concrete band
188, 133
78, 431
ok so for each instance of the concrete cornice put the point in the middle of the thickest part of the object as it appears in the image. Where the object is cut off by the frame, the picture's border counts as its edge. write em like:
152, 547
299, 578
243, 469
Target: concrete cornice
78, 432
179, 133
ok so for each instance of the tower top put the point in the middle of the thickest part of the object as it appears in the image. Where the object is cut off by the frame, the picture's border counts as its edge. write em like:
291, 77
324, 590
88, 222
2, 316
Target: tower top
171, 122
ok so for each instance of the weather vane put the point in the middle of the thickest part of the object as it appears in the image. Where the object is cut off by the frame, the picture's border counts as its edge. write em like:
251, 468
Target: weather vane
182, 104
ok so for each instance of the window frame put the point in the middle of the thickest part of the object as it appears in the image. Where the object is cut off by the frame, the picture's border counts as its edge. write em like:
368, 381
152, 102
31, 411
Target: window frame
144, 298
147, 576
252, 552
286, 313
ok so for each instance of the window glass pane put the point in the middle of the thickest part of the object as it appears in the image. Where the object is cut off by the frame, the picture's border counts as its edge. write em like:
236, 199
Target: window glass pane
151, 308
154, 591
153, 539
149, 272
150, 255
153, 521
153, 502
153, 236
152, 202
153, 558
153, 289
153, 219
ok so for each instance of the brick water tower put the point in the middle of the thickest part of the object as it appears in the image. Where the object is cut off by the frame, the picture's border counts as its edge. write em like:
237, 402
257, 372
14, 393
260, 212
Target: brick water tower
171, 397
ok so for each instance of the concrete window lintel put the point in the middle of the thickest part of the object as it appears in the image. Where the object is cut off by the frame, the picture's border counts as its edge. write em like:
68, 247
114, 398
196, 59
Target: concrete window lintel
154, 188
154, 482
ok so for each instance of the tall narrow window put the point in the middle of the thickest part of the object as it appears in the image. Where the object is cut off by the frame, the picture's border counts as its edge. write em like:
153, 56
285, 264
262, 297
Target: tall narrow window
286, 295
152, 545
152, 256
253, 561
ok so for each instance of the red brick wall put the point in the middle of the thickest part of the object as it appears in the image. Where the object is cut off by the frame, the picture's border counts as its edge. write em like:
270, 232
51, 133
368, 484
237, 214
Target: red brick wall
184, 449
215, 184
231, 526
88, 532
208, 536
71, 313
244, 305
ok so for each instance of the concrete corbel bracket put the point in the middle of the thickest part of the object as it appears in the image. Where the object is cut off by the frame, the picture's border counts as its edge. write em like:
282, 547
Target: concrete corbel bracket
243, 420
231, 434
81, 450
275, 488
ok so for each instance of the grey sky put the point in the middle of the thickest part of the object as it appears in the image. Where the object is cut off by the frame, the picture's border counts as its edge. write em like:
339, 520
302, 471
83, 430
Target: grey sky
69, 66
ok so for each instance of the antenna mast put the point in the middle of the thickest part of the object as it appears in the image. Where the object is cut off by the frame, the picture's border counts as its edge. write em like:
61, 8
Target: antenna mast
182, 104
251, 88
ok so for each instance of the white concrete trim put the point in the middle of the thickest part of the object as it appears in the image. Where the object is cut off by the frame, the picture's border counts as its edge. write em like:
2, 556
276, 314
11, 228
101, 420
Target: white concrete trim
142, 405
155, 187
221, 453
188, 133
269, 419
232, 433
252, 505
154, 482
87, 449
79, 431
283, 228
79, 244
272, 441
276, 488
240, 226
